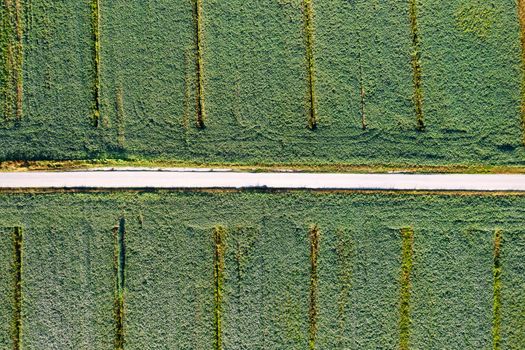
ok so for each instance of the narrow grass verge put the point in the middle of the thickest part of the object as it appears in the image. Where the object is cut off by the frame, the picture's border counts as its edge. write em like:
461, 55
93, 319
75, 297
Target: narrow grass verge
315, 235
219, 235
119, 233
416, 65
407, 253
521, 16
497, 286
310, 59
201, 112
95, 18
17, 317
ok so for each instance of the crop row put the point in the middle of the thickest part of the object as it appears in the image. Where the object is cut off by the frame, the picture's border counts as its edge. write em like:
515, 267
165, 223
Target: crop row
236, 258
11, 47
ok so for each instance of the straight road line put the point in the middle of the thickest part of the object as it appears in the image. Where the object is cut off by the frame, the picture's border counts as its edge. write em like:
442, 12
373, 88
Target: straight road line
239, 180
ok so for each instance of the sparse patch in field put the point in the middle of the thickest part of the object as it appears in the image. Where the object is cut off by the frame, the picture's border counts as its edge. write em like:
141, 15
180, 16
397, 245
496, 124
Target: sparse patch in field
416, 65
310, 59
407, 253
476, 17
497, 316
95, 9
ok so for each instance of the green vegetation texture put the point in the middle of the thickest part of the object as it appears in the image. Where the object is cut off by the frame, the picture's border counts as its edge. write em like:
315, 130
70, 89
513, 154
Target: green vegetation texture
255, 286
266, 82
7, 288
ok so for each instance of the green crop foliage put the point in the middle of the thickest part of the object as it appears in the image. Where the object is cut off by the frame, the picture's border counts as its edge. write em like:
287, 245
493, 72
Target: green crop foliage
67, 280
8, 68
466, 97
416, 64
17, 297
198, 19
219, 236
262, 271
512, 310
521, 16
7, 289
309, 30
452, 287
315, 236
95, 9
119, 232
497, 270
233, 82
12, 48
407, 252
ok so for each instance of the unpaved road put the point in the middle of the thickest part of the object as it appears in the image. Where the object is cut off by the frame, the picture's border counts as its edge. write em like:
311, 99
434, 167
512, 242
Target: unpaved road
223, 179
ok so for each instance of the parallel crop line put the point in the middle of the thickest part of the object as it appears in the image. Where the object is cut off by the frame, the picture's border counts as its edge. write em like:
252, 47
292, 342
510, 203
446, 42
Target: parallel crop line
362, 91
219, 235
407, 253
121, 118
95, 9
309, 36
201, 113
497, 286
7, 67
17, 320
12, 49
19, 59
119, 233
521, 16
416, 65
315, 236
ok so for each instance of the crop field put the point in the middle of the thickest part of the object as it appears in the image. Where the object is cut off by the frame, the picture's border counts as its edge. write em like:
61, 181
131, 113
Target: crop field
366, 82
261, 270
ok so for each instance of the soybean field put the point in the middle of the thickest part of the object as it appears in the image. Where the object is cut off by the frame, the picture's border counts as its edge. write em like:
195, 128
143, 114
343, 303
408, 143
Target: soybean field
261, 270
308, 82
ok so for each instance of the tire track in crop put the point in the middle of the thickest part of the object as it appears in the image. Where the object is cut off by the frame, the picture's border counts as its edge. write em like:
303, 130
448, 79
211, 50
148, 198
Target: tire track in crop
95, 13
315, 235
521, 16
219, 235
119, 233
201, 113
362, 91
407, 252
309, 41
416, 65
17, 317
12, 46
497, 286
121, 117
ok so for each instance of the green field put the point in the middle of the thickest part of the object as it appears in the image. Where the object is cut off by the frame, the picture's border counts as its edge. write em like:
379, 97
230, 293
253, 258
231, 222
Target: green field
263, 270
239, 82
